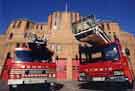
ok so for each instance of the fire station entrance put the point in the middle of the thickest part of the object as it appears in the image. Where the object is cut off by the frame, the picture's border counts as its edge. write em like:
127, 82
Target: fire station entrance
62, 68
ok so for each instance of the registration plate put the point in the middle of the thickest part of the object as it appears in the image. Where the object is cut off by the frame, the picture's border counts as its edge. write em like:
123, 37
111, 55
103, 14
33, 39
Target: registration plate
98, 78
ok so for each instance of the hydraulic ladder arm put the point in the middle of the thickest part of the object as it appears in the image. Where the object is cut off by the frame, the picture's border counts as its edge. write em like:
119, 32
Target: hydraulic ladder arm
87, 30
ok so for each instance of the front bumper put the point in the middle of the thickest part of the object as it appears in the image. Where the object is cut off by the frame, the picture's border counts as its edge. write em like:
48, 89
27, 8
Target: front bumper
99, 79
30, 81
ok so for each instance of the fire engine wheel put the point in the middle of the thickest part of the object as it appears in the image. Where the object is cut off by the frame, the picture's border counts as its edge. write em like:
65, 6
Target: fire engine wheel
13, 87
52, 89
52, 86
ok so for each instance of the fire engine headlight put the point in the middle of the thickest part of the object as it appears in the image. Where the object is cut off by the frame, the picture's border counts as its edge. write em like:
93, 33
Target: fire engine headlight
118, 73
82, 74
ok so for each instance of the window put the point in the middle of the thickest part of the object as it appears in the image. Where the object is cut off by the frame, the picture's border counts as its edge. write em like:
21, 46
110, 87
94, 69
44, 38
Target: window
8, 55
41, 27
10, 36
73, 67
23, 55
57, 58
108, 26
102, 53
17, 45
55, 21
25, 35
127, 51
14, 24
36, 26
19, 24
111, 53
102, 26
76, 57
114, 35
27, 25
75, 17
24, 45
96, 55
31, 56
110, 35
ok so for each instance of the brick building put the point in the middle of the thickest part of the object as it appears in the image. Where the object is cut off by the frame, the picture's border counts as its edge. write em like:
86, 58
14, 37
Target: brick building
60, 39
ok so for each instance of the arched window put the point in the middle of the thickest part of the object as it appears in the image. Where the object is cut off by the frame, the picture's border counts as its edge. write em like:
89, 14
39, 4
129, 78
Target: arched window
108, 26
24, 45
27, 25
114, 35
76, 57
10, 36
8, 55
41, 27
57, 57
36, 26
25, 35
14, 24
102, 26
127, 51
19, 24
17, 45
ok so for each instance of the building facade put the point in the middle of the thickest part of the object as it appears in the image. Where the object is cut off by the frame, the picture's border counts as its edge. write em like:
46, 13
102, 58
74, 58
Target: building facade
60, 39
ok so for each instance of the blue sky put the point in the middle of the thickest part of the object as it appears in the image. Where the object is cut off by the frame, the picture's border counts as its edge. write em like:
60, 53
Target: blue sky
121, 11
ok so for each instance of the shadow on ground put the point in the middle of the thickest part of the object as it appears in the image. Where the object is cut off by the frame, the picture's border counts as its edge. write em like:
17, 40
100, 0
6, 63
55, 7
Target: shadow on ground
36, 87
106, 86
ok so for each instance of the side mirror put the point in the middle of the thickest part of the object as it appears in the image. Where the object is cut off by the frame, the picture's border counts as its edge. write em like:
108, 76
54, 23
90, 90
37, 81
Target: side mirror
127, 51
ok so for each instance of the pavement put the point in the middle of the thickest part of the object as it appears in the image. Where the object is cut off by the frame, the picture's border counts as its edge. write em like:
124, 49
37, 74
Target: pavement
68, 86
3, 86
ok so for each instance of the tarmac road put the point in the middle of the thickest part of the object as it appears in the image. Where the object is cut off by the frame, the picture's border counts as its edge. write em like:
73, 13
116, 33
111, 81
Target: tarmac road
69, 86
98, 86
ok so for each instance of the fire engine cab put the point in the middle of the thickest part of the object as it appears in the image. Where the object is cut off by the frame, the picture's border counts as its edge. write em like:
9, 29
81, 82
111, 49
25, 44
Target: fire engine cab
101, 58
30, 64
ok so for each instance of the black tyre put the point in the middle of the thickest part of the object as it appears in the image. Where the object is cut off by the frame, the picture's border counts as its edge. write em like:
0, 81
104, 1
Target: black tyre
13, 87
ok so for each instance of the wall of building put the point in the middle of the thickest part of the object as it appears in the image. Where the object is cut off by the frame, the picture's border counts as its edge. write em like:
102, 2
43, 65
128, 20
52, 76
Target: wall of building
58, 32
128, 41
62, 39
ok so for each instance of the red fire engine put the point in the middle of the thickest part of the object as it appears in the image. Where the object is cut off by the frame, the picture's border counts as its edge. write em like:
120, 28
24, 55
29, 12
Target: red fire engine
30, 64
101, 59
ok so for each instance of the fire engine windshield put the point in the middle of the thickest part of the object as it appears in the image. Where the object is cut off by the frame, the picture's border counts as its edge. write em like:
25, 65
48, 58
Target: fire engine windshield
23, 55
106, 53
110, 52
29, 56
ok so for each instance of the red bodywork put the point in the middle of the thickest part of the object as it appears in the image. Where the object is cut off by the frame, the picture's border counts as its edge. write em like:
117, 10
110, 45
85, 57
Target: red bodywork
21, 66
106, 68
59, 69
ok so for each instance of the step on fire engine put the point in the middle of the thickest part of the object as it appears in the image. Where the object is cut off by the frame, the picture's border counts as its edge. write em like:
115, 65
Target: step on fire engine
103, 60
31, 64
